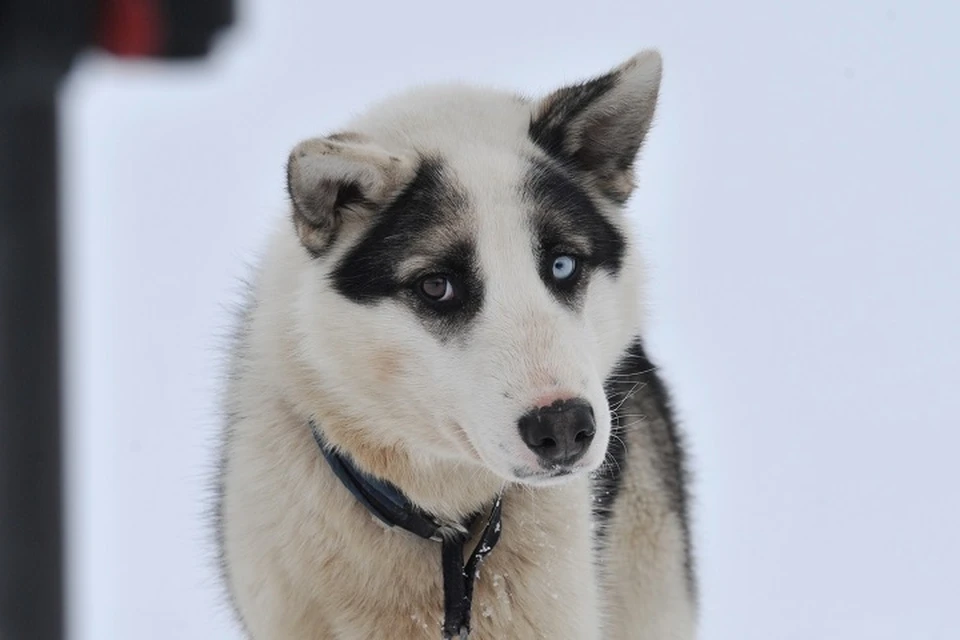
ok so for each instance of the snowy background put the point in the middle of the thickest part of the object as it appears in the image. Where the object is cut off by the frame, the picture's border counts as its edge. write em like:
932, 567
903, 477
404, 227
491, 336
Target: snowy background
799, 206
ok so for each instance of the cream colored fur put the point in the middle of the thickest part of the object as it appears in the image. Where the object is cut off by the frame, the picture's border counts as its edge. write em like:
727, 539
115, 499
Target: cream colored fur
303, 559
644, 583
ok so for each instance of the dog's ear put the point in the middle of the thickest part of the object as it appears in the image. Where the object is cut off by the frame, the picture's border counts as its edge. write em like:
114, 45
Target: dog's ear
338, 179
598, 126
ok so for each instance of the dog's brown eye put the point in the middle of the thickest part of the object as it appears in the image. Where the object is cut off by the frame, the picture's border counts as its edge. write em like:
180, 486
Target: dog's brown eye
437, 288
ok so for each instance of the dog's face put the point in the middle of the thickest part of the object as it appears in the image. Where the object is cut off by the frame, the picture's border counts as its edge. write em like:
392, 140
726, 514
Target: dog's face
471, 284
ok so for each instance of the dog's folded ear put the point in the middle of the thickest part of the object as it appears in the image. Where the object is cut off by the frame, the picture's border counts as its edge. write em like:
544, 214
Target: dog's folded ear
598, 126
338, 179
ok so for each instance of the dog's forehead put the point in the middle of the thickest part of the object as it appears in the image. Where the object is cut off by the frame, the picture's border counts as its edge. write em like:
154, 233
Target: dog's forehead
474, 195
479, 137
449, 121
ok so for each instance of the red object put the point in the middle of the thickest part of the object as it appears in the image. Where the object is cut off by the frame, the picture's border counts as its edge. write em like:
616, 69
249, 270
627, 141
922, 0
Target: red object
130, 28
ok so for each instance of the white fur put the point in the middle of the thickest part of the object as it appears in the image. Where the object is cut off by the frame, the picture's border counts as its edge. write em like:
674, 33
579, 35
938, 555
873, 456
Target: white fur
303, 559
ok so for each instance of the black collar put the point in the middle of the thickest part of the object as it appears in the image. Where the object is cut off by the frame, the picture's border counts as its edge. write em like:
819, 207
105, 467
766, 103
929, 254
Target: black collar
387, 503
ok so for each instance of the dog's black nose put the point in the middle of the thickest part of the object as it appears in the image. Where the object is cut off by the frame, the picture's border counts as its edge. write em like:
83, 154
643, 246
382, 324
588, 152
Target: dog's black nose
560, 433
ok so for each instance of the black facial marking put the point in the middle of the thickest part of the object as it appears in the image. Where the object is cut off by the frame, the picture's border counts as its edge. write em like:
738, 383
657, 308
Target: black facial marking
549, 131
635, 389
459, 264
426, 220
566, 221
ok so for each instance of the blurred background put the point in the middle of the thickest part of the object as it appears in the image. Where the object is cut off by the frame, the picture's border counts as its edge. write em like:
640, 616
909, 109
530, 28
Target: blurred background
799, 207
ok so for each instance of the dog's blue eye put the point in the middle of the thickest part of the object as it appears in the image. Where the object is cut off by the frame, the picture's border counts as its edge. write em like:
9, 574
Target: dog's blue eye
564, 267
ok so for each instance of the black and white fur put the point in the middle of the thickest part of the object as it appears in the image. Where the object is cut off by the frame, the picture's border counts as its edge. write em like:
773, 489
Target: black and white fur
459, 259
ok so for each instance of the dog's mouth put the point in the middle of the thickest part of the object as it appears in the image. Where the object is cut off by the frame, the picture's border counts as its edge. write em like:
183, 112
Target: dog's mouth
554, 475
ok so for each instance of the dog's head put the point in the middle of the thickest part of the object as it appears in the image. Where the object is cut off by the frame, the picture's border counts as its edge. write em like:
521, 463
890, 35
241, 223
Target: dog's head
471, 284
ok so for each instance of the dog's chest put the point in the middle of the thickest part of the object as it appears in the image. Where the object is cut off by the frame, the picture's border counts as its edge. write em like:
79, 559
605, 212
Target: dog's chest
526, 594
538, 582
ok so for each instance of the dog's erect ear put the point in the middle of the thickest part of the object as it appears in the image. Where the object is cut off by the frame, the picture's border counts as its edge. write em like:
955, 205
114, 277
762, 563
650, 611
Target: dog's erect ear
339, 178
599, 125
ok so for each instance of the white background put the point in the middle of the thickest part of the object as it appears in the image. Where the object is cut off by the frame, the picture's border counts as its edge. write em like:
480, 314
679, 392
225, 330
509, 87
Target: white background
799, 207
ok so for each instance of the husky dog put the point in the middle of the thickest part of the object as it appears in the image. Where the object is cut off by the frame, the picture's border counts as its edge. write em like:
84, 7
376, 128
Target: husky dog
455, 313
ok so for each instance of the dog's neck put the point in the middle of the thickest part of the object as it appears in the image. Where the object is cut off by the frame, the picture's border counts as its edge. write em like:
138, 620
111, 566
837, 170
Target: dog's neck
450, 490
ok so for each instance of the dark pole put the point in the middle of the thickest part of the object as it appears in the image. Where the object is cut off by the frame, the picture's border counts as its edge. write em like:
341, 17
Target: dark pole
38, 41
30, 496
